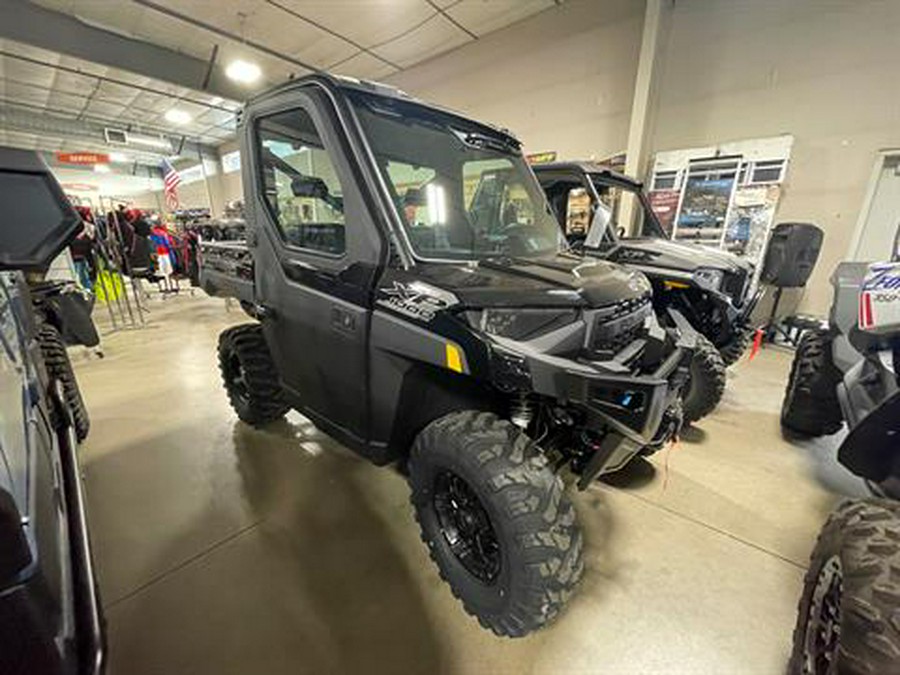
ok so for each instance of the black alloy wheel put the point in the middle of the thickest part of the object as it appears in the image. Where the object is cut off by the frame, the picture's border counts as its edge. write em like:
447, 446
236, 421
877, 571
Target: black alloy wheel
466, 527
234, 375
823, 630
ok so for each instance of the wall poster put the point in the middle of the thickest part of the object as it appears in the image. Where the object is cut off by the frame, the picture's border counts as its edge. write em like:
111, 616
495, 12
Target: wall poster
665, 205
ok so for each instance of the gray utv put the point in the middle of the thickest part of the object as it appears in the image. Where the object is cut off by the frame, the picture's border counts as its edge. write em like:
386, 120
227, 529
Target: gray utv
711, 288
847, 371
427, 316
50, 617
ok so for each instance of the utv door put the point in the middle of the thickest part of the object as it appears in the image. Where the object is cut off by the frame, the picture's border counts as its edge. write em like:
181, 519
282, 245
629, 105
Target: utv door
316, 252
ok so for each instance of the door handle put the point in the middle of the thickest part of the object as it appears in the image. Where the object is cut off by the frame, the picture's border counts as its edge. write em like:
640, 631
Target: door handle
342, 320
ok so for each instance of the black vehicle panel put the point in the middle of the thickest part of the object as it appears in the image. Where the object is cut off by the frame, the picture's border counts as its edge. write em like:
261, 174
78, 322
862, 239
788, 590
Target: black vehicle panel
319, 299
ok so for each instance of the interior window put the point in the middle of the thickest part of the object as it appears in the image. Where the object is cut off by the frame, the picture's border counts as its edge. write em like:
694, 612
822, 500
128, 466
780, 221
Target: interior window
413, 185
301, 186
495, 196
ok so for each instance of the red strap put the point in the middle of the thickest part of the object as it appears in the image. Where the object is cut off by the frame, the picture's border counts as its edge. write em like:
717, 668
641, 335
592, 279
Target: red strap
757, 343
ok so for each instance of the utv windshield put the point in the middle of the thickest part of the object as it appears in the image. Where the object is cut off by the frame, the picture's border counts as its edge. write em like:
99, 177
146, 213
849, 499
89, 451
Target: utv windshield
462, 191
604, 227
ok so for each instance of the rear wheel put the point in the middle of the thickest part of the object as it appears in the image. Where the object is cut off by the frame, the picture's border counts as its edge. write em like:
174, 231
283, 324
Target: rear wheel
847, 622
496, 521
249, 375
706, 385
811, 406
59, 367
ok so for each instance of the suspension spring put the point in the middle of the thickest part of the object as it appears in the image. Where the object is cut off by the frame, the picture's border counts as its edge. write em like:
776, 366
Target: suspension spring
521, 411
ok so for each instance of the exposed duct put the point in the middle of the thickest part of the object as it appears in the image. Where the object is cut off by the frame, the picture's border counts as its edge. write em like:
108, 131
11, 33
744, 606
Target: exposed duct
92, 135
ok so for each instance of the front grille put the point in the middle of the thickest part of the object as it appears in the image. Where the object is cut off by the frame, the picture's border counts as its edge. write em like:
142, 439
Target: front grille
614, 328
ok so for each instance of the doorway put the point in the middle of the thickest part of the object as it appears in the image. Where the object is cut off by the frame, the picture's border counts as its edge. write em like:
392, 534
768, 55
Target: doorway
880, 218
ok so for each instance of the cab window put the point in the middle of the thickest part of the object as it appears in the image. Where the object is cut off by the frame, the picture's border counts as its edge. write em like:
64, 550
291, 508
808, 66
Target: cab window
301, 187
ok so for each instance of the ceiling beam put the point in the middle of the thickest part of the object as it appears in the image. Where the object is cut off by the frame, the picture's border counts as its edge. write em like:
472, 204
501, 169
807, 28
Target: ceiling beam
57, 32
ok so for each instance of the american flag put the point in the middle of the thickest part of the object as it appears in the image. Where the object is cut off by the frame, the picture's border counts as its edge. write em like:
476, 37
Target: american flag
171, 181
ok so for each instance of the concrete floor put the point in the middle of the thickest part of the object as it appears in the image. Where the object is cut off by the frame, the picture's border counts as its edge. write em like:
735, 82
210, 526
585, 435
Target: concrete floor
222, 549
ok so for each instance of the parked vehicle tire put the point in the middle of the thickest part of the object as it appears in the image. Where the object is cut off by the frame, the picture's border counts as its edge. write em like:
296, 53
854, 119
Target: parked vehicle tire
811, 406
734, 349
847, 622
59, 367
706, 385
496, 521
249, 375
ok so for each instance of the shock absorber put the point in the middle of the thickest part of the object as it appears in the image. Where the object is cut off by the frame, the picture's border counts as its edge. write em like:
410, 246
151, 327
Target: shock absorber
521, 411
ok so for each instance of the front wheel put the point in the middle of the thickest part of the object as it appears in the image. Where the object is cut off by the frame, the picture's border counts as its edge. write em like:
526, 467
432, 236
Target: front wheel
732, 351
706, 385
496, 521
811, 406
847, 620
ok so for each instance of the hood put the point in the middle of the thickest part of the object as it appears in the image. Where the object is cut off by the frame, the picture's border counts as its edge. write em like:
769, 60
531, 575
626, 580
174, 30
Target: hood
555, 281
675, 255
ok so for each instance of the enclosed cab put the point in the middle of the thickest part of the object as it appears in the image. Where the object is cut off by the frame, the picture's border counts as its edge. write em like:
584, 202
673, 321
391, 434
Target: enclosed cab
427, 314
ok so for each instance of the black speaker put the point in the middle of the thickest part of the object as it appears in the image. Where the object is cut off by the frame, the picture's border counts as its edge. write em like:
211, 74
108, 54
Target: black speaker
791, 254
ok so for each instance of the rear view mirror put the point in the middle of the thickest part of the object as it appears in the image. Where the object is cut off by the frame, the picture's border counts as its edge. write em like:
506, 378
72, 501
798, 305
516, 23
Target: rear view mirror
309, 186
36, 219
14, 552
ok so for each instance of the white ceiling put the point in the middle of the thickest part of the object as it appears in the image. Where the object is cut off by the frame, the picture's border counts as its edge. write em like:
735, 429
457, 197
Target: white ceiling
369, 39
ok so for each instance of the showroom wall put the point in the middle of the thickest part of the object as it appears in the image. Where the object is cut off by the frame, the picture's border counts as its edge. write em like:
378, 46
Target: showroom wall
562, 80
822, 71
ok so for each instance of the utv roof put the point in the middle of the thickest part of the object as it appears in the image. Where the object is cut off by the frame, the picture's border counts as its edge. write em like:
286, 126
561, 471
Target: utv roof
350, 84
593, 168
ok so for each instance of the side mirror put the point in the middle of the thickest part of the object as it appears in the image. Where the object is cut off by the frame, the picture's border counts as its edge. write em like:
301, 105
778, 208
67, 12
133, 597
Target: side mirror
36, 219
309, 186
14, 552
599, 222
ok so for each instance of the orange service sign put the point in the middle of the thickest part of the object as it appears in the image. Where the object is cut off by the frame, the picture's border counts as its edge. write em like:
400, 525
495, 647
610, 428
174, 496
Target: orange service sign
82, 158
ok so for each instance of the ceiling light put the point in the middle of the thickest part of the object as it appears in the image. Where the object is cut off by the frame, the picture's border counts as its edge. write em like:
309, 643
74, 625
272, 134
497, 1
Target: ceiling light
176, 116
243, 71
118, 157
102, 168
150, 141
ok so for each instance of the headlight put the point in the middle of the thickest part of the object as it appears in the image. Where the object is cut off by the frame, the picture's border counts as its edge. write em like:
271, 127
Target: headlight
709, 279
520, 324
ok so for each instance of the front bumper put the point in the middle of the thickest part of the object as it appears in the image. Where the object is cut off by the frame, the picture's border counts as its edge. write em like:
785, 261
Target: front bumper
627, 410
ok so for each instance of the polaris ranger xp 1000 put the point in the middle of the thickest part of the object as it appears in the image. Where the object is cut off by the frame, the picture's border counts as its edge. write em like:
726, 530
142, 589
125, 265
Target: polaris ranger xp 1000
426, 315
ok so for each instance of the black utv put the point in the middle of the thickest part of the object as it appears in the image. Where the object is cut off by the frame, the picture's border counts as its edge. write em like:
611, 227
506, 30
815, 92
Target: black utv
711, 288
50, 619
400, 313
